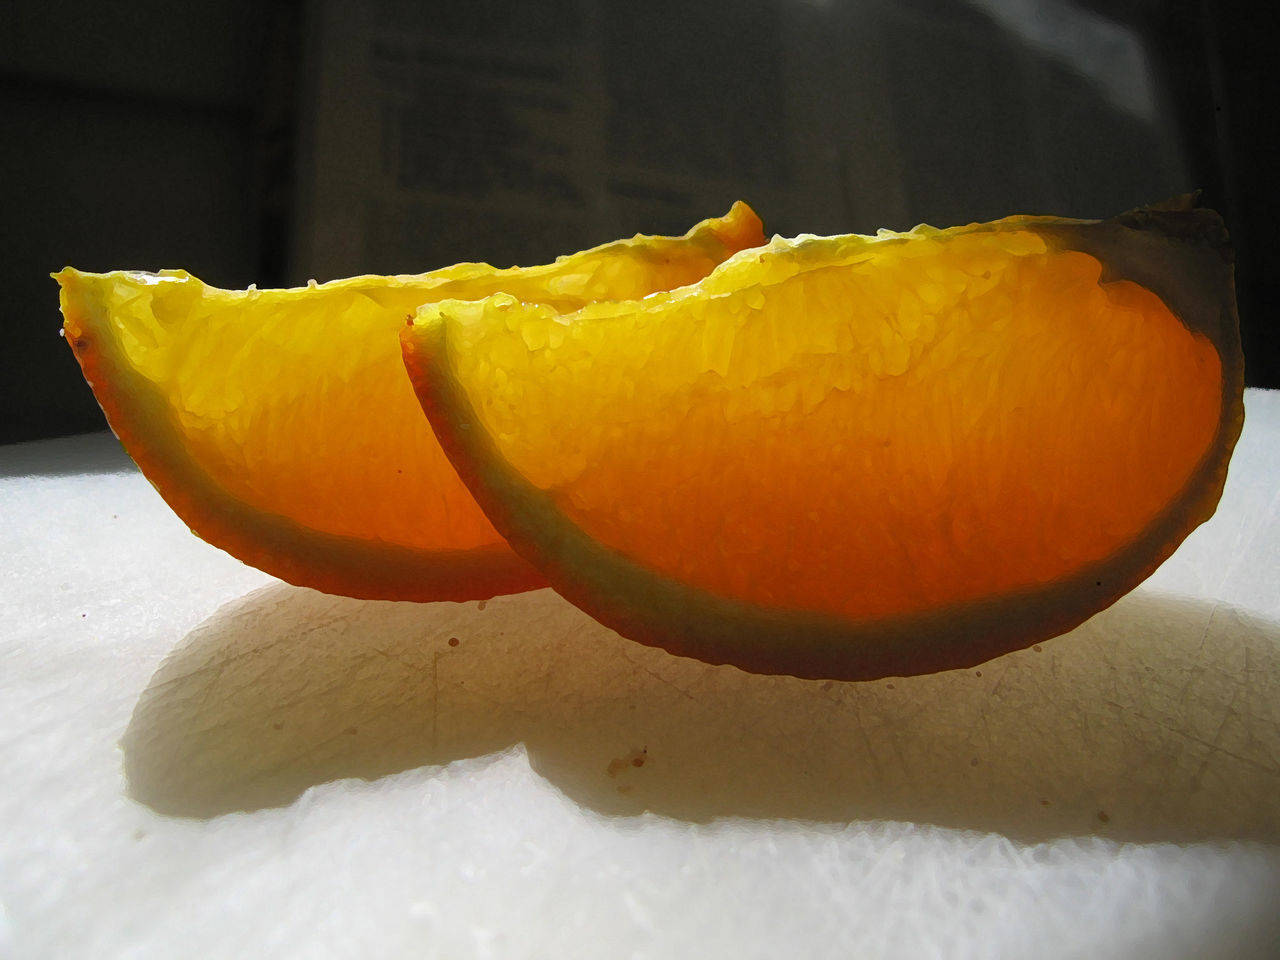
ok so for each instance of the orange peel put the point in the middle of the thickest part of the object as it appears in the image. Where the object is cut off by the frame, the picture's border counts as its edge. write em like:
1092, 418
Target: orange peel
854, 457
279, 425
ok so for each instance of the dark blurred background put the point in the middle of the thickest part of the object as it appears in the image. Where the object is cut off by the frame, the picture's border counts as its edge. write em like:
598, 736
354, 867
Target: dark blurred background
271, 142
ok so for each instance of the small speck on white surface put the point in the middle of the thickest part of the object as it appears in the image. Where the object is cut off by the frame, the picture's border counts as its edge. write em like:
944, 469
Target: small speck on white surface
201, 761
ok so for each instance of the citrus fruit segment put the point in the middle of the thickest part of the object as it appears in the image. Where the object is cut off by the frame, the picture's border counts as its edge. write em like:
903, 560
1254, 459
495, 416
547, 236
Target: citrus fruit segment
280, 426
853, 457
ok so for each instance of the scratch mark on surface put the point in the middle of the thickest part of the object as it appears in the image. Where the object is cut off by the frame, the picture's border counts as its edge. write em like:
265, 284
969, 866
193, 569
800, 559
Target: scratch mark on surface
1215, 748
435, 698
1204, 636
866, 741
661, 679
1214, 745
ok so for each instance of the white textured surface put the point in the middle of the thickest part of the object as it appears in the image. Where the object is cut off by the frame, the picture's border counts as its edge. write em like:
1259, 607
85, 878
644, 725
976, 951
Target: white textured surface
316, 777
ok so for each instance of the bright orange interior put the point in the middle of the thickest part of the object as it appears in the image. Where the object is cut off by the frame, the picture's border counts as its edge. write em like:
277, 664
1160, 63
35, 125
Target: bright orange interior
878, 428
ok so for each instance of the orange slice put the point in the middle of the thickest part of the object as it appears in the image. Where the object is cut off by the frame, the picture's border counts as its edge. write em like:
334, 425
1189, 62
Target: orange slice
853, 457
280, 426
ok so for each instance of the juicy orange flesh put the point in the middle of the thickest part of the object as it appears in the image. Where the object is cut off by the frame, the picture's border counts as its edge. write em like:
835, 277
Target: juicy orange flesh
880, 427
296, 402
353, 430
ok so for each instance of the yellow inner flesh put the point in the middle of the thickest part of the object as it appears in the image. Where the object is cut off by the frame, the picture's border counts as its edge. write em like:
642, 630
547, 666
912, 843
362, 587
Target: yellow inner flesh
857, 426
296, 402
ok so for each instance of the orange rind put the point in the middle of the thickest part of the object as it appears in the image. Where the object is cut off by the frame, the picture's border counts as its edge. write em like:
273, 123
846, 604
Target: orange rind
279, 425
854, 457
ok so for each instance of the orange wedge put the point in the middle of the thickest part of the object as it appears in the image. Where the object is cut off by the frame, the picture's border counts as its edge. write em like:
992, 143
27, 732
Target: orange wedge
280, 426
854, 457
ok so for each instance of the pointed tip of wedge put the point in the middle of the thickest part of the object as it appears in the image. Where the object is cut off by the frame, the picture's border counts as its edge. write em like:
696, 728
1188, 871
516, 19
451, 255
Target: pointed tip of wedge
741, 227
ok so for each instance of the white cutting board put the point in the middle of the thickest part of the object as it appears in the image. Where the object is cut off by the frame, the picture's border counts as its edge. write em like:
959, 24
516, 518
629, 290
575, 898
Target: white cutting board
312, 776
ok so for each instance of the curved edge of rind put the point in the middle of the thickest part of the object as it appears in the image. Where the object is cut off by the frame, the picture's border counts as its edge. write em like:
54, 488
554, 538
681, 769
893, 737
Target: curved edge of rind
1183, 255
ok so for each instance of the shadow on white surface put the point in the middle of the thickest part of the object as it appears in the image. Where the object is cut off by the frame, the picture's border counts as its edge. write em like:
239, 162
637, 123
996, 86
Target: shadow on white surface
90, 453
1158, 720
